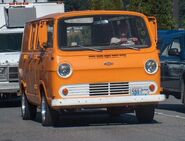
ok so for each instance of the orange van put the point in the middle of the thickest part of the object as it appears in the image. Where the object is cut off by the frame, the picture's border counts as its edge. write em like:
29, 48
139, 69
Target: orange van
84, 59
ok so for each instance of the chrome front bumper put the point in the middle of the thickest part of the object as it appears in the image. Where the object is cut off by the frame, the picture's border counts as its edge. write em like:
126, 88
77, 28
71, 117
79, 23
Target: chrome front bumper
109, 100
7, 87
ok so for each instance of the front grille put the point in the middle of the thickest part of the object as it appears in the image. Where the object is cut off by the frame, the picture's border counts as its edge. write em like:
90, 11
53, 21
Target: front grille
3, 74
13, 74
97, 89
108, 88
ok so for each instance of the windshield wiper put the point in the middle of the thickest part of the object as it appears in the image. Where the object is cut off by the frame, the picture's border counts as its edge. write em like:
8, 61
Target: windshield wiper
124, 46
90, 48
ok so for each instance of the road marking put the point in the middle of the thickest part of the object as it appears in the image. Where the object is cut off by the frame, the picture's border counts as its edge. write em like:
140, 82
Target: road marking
173, 116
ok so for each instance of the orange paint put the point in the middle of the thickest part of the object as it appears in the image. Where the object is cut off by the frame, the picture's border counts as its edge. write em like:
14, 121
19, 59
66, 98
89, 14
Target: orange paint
42, 55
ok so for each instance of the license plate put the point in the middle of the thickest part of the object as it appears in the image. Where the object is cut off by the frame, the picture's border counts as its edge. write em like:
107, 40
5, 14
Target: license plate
139, 91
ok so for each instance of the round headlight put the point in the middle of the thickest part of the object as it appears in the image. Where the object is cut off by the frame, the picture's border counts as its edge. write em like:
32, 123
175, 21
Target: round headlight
65, 70
151, 66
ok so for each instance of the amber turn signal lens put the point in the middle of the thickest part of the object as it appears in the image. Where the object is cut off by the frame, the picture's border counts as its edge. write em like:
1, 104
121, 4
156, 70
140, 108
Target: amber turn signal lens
65, 91
152, 87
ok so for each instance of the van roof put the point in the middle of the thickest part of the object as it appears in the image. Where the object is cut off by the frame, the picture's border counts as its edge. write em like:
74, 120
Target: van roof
87, 12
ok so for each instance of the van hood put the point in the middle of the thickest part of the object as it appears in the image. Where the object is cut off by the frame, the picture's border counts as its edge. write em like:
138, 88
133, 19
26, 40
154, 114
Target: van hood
9, 58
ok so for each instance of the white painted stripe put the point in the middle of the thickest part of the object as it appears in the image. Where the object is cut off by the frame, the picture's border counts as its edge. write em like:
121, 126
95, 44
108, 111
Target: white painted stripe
172, 116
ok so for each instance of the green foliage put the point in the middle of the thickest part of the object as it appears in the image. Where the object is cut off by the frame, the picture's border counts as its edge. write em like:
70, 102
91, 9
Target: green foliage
106, 4
182, 13
161, 9
71, 5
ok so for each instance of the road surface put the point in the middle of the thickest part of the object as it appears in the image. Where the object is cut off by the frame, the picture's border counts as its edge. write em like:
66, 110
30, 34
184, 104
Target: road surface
93, 125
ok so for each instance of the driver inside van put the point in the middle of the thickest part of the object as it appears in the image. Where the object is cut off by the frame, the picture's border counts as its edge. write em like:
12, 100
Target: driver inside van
125, 37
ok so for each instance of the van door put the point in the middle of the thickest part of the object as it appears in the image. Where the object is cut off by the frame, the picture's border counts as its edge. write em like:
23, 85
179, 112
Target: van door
43, 56
31, 62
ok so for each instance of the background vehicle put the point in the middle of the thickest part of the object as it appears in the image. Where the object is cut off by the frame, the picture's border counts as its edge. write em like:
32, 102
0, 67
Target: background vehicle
172, 46
13, 16
75, 60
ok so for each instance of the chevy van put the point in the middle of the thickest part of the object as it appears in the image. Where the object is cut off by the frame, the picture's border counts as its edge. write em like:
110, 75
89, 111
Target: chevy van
77, 60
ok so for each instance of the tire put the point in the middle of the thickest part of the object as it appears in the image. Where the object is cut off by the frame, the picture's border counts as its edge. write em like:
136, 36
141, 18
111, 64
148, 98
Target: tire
145, 114
115, 111
49, 116
28, 110
183, 92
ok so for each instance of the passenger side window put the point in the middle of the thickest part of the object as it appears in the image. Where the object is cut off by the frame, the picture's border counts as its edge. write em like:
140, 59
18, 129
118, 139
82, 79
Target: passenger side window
174, 45
26, 37
50, 34
33, 37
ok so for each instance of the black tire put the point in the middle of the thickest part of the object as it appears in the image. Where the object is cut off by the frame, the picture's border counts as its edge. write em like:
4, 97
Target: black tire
49, 116
28, 110
115, 111
183, 92
145, 114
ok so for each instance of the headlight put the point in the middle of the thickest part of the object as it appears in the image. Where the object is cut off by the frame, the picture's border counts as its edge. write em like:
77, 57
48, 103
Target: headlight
65, 70
151, 66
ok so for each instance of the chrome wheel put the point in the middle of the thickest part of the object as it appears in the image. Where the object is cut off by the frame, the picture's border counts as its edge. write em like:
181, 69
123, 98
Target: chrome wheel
43, 109
23, 105
28, 110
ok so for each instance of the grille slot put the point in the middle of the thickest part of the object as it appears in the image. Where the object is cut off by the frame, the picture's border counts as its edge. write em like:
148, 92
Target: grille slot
13, 74
108, 88
98, 89
3, 74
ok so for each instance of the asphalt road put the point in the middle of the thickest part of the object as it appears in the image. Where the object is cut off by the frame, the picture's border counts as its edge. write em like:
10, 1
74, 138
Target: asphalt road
169, 125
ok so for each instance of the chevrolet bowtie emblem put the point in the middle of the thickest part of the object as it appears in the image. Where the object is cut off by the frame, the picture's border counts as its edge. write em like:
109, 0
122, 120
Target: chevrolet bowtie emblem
108, 63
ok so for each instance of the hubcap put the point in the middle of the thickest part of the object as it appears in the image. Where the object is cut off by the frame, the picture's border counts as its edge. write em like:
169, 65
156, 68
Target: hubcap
43, 109
23, 106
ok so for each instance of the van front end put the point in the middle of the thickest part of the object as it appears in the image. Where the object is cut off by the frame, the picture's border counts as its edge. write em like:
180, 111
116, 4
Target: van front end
106, 59
105, 82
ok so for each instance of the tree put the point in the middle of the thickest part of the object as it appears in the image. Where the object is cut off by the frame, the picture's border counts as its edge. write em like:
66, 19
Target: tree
182, 13
106, 4
161, 9
74, 5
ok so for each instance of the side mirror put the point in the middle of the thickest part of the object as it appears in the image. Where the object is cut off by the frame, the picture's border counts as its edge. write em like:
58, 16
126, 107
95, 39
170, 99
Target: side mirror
173, 52
153, 27
42, 34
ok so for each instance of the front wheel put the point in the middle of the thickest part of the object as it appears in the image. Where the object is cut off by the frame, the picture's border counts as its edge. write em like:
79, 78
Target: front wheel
145, 114
183, 92
28, 110
48, 115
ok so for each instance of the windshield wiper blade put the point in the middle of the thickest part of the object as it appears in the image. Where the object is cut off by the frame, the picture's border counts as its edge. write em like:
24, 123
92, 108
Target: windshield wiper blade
125, 46
90, 48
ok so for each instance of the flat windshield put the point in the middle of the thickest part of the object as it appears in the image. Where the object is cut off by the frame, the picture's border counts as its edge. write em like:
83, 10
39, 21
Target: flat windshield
10, 42
103, 32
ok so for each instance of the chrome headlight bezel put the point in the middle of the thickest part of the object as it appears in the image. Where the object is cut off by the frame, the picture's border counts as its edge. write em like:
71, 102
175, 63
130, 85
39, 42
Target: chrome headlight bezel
68, 74
151, 66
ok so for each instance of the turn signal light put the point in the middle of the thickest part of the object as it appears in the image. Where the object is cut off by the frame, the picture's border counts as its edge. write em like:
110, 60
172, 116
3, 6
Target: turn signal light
152, 87
65, 91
